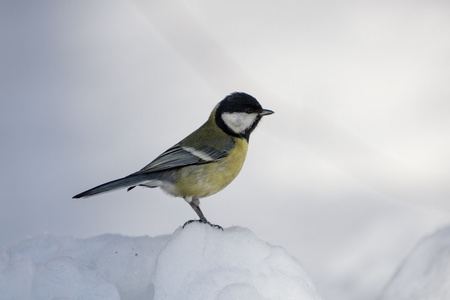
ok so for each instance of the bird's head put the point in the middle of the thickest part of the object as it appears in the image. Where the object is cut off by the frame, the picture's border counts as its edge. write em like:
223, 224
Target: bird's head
239, 114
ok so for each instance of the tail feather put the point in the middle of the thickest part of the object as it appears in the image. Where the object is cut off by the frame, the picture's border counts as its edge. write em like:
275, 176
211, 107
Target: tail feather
129, 181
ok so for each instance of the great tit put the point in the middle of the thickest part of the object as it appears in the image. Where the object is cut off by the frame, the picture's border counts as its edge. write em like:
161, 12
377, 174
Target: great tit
203, 163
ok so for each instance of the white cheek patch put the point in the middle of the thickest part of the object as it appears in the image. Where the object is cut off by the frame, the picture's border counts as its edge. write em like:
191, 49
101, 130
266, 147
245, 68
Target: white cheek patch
240, 121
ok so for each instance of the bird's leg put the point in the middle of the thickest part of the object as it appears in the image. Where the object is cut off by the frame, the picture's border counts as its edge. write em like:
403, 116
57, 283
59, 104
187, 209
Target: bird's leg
194, 202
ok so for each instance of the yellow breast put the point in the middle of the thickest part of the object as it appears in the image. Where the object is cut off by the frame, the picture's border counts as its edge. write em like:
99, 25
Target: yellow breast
207, 179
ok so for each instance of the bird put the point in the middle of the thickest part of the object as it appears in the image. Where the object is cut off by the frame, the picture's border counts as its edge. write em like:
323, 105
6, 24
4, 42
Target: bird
204, 162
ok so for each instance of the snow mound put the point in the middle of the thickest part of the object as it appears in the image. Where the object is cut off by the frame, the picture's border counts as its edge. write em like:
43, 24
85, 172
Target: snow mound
425, 274
197, 262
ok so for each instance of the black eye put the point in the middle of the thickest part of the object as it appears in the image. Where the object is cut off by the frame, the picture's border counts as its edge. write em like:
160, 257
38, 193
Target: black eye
249, 110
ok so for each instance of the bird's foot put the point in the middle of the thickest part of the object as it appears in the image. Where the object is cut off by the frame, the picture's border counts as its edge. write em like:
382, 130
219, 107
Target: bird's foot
204, 221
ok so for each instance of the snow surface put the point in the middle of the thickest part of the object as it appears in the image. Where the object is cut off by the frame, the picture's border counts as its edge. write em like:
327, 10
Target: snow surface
197, 262
425, 274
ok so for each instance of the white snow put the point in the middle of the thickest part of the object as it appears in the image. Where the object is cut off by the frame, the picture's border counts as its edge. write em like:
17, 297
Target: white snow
197, 262
425, 274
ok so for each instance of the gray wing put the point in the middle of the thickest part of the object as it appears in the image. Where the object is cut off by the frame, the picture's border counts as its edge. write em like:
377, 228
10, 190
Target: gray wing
175, 157
179, 156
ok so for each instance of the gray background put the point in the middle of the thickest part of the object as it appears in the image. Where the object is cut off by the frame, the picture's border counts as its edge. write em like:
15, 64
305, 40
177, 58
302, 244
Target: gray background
347, 175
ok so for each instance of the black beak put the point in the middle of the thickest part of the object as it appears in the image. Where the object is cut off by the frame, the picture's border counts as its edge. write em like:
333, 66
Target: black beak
266, 112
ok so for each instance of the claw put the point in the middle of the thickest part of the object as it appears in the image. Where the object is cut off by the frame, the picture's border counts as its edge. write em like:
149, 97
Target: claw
204, 221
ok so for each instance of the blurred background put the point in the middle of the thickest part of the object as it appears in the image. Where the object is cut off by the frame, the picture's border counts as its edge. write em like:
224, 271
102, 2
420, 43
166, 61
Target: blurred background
347, 175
